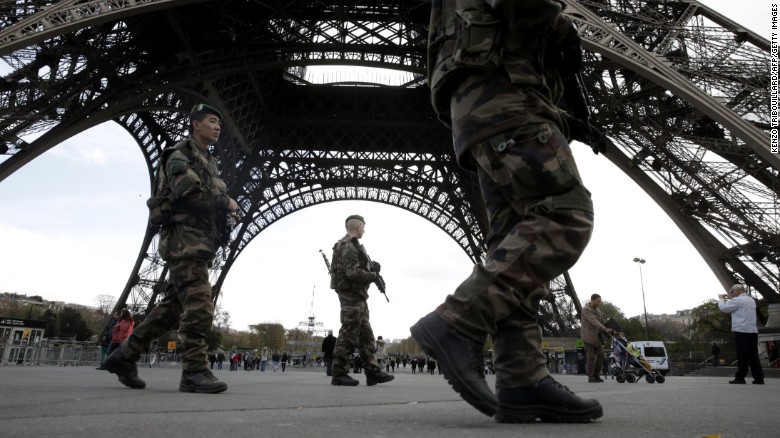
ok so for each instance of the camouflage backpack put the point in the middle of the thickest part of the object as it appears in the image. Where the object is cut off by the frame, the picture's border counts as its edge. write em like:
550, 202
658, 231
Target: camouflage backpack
161, 202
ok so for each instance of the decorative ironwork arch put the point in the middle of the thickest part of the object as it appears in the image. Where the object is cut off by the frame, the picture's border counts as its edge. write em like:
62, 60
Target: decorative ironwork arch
681, 90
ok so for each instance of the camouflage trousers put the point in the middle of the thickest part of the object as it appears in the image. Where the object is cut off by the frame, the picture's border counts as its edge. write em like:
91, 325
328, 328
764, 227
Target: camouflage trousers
186, 305
355, 333
541, 219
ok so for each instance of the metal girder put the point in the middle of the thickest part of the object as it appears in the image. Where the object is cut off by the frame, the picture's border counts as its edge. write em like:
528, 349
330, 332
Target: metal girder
604, 39
683, 133
561, 310
681, 91
62, 17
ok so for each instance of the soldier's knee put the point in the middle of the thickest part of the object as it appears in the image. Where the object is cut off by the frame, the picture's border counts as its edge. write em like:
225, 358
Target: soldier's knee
573, 229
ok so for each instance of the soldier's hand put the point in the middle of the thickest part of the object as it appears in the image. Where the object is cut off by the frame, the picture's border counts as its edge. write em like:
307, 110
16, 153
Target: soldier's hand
598, 143
569, 53
584, 133
375, 267
578, 130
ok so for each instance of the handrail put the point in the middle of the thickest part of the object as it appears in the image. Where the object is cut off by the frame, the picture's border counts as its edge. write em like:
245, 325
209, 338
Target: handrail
699, 365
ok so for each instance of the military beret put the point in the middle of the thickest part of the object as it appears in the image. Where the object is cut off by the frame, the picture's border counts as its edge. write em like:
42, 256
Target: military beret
202, 109
355, 216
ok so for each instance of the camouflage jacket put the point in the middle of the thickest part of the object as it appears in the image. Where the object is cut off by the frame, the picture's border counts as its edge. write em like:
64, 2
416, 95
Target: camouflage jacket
350, 273
199, 198
486, 66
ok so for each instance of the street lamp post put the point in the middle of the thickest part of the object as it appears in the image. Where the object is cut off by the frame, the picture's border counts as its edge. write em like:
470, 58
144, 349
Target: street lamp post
641, 262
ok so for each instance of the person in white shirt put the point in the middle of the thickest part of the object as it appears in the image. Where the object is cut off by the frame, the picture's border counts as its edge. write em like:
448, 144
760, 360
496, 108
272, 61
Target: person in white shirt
743, 323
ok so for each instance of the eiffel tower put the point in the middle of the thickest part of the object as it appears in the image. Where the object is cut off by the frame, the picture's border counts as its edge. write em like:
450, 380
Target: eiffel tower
681, 90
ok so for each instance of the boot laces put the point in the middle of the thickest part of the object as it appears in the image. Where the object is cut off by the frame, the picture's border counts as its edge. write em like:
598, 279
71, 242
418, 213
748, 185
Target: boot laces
560, 385
475, 353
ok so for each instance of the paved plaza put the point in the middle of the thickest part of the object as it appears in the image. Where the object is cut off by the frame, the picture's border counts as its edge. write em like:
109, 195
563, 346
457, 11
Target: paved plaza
41, 401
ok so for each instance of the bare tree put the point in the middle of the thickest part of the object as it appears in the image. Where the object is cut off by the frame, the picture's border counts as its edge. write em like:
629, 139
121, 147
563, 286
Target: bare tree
221, 319
105, 303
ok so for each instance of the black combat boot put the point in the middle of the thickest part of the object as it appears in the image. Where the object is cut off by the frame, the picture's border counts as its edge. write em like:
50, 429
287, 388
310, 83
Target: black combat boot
460, 360
345, 380
125, 369
377, 377
203, 382
546, 400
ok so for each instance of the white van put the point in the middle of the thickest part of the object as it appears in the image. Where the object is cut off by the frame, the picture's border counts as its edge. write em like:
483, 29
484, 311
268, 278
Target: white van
655, 353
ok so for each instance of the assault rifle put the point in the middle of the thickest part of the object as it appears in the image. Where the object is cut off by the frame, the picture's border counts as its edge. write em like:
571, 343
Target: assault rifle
225, 223
566, 59
577, 103
327, 263
374, 267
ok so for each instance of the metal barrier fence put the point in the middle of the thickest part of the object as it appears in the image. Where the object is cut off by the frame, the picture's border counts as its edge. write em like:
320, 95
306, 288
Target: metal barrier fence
61, 352
160, 360
66, 352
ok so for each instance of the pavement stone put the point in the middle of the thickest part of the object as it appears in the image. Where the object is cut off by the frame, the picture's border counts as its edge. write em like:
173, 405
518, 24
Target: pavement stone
45, 401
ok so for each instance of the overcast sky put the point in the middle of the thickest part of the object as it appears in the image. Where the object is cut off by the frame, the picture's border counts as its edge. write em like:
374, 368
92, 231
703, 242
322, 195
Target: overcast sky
73, 220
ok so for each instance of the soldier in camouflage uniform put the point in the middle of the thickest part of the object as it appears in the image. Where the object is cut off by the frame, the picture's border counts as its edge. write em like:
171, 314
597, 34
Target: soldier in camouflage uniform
189, 238
352, 273
493, 83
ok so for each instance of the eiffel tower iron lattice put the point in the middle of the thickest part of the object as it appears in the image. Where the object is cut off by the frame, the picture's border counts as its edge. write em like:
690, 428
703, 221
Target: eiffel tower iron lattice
682, 92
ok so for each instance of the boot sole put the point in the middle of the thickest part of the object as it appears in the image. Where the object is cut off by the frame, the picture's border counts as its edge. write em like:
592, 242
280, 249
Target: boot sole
130, 384
547, 414
385, 380
125, 381
356, 383
203, 390
431, 347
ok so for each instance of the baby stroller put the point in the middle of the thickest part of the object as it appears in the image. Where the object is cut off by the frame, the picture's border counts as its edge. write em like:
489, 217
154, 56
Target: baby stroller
628, 367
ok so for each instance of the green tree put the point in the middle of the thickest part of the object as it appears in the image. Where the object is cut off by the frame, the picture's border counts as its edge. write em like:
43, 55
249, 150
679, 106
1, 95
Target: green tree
410, 346
297, 340
8, 305
634, 329
710, 324
213, 338
268, 334
611, 311
32, 311
73, 325
52, 324
14, 305
670, 331
406, 346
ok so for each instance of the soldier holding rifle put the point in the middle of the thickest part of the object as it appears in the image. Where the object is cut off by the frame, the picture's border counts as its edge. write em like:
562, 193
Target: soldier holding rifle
191, 205
351, 273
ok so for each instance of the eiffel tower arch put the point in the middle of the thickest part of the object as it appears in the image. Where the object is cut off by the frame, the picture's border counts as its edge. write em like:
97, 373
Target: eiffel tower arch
682, 92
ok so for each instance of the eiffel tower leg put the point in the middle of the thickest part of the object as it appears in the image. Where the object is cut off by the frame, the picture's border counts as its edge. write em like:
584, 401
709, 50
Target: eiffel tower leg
569, 290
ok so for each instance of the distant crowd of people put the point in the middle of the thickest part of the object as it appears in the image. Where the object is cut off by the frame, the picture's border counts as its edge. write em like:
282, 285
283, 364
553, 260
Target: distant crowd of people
259, 361
254, 360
